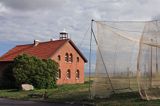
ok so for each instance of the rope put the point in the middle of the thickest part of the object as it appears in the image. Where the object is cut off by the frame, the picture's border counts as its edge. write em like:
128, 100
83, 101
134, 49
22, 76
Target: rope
84, 36
124, 29
128, 21
128, 38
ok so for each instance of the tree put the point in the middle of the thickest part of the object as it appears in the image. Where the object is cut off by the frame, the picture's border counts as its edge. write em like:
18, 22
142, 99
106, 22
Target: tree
31, 70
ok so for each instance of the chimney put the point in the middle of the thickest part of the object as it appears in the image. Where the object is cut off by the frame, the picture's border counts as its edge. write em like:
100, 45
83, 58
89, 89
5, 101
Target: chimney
36, 42
52, 39
63, 35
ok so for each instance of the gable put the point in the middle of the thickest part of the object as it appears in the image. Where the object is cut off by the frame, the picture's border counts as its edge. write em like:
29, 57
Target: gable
79, 52
69, 47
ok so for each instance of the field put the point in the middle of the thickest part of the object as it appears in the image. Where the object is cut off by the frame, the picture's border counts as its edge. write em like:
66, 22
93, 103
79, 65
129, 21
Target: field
78, 94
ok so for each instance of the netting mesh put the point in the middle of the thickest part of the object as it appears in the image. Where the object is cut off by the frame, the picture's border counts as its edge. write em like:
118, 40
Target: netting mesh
128, 59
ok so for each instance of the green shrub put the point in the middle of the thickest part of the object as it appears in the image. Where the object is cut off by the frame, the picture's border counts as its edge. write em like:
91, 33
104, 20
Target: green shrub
31, 70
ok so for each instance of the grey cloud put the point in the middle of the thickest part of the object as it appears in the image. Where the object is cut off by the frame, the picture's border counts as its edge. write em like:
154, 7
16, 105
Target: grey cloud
26, 20
33, 4
43, 19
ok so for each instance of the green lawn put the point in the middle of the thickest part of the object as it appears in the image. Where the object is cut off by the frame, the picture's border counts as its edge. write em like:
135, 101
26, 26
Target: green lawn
78, 93
126, 99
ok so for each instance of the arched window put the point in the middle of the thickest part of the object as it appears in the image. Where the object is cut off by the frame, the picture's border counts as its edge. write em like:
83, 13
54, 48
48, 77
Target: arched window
77, 59
66, 57
59, 57
71, 57
68, 74
59, 74
77, 74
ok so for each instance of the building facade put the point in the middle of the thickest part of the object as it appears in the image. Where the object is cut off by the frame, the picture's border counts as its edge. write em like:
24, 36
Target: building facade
71, 61
71, 65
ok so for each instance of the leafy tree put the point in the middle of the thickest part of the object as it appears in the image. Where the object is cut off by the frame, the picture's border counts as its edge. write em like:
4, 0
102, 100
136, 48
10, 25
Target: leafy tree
31, 70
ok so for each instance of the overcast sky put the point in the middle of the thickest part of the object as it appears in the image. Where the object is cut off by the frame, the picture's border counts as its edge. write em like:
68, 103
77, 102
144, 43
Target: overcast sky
22, 21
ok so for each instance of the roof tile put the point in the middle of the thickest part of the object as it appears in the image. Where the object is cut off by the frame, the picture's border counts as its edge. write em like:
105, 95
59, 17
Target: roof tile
43, 50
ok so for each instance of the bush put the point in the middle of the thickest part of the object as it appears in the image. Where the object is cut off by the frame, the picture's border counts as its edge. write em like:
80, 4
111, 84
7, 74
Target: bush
31, 70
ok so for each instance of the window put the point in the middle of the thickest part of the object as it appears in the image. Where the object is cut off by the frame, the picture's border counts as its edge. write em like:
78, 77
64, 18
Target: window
59, 73
77, 59
71, 57
68, 74
77, 74
66, 57
59, 57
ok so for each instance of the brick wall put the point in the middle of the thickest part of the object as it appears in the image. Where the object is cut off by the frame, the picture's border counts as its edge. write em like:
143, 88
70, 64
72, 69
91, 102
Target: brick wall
72, 66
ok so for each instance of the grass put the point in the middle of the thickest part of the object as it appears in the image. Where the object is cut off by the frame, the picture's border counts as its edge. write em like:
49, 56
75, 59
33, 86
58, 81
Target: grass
78, 93
126, 99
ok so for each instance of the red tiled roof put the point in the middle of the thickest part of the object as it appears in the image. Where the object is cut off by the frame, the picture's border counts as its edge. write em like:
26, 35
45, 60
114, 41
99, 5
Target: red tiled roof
43, 50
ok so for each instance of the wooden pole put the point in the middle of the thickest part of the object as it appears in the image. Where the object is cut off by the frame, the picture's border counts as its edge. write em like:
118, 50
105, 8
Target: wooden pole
151, 67
90, 53
129, 78
156, 58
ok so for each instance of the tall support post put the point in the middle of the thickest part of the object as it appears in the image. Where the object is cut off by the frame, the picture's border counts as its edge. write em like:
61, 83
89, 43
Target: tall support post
157, 47
90, 53
129, 77
156, 58
151, 67
145, 74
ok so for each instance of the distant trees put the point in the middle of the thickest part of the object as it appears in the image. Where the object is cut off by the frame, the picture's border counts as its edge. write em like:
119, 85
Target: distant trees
31, 70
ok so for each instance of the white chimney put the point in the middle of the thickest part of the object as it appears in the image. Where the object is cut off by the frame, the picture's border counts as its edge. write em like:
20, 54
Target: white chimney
52, 39
36, 42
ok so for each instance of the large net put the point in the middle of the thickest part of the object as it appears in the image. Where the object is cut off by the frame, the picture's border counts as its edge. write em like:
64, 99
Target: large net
128, 59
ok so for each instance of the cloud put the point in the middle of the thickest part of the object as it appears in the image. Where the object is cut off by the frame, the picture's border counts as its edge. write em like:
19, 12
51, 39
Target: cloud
3, 9
23, 5
22, 21
26, 20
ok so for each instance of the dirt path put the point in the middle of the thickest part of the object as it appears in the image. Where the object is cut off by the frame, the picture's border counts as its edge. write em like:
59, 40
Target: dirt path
8, 102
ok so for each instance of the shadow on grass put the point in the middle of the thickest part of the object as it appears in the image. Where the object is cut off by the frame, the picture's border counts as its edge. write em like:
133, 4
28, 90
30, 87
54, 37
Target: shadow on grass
73, 98
14, 90
126, 99
121, 97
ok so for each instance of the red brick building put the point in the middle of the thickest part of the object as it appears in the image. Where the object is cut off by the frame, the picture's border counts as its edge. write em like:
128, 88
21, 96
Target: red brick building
63, 51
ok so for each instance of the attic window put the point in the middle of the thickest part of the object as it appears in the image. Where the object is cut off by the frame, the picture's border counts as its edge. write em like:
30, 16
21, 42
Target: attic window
77, 59
66, 57
59, 57
71, 57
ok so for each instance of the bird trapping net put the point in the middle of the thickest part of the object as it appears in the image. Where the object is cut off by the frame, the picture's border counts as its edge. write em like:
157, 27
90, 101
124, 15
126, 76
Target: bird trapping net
128, 59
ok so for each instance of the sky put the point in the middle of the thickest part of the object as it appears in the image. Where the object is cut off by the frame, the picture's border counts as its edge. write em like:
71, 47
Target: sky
22, 21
